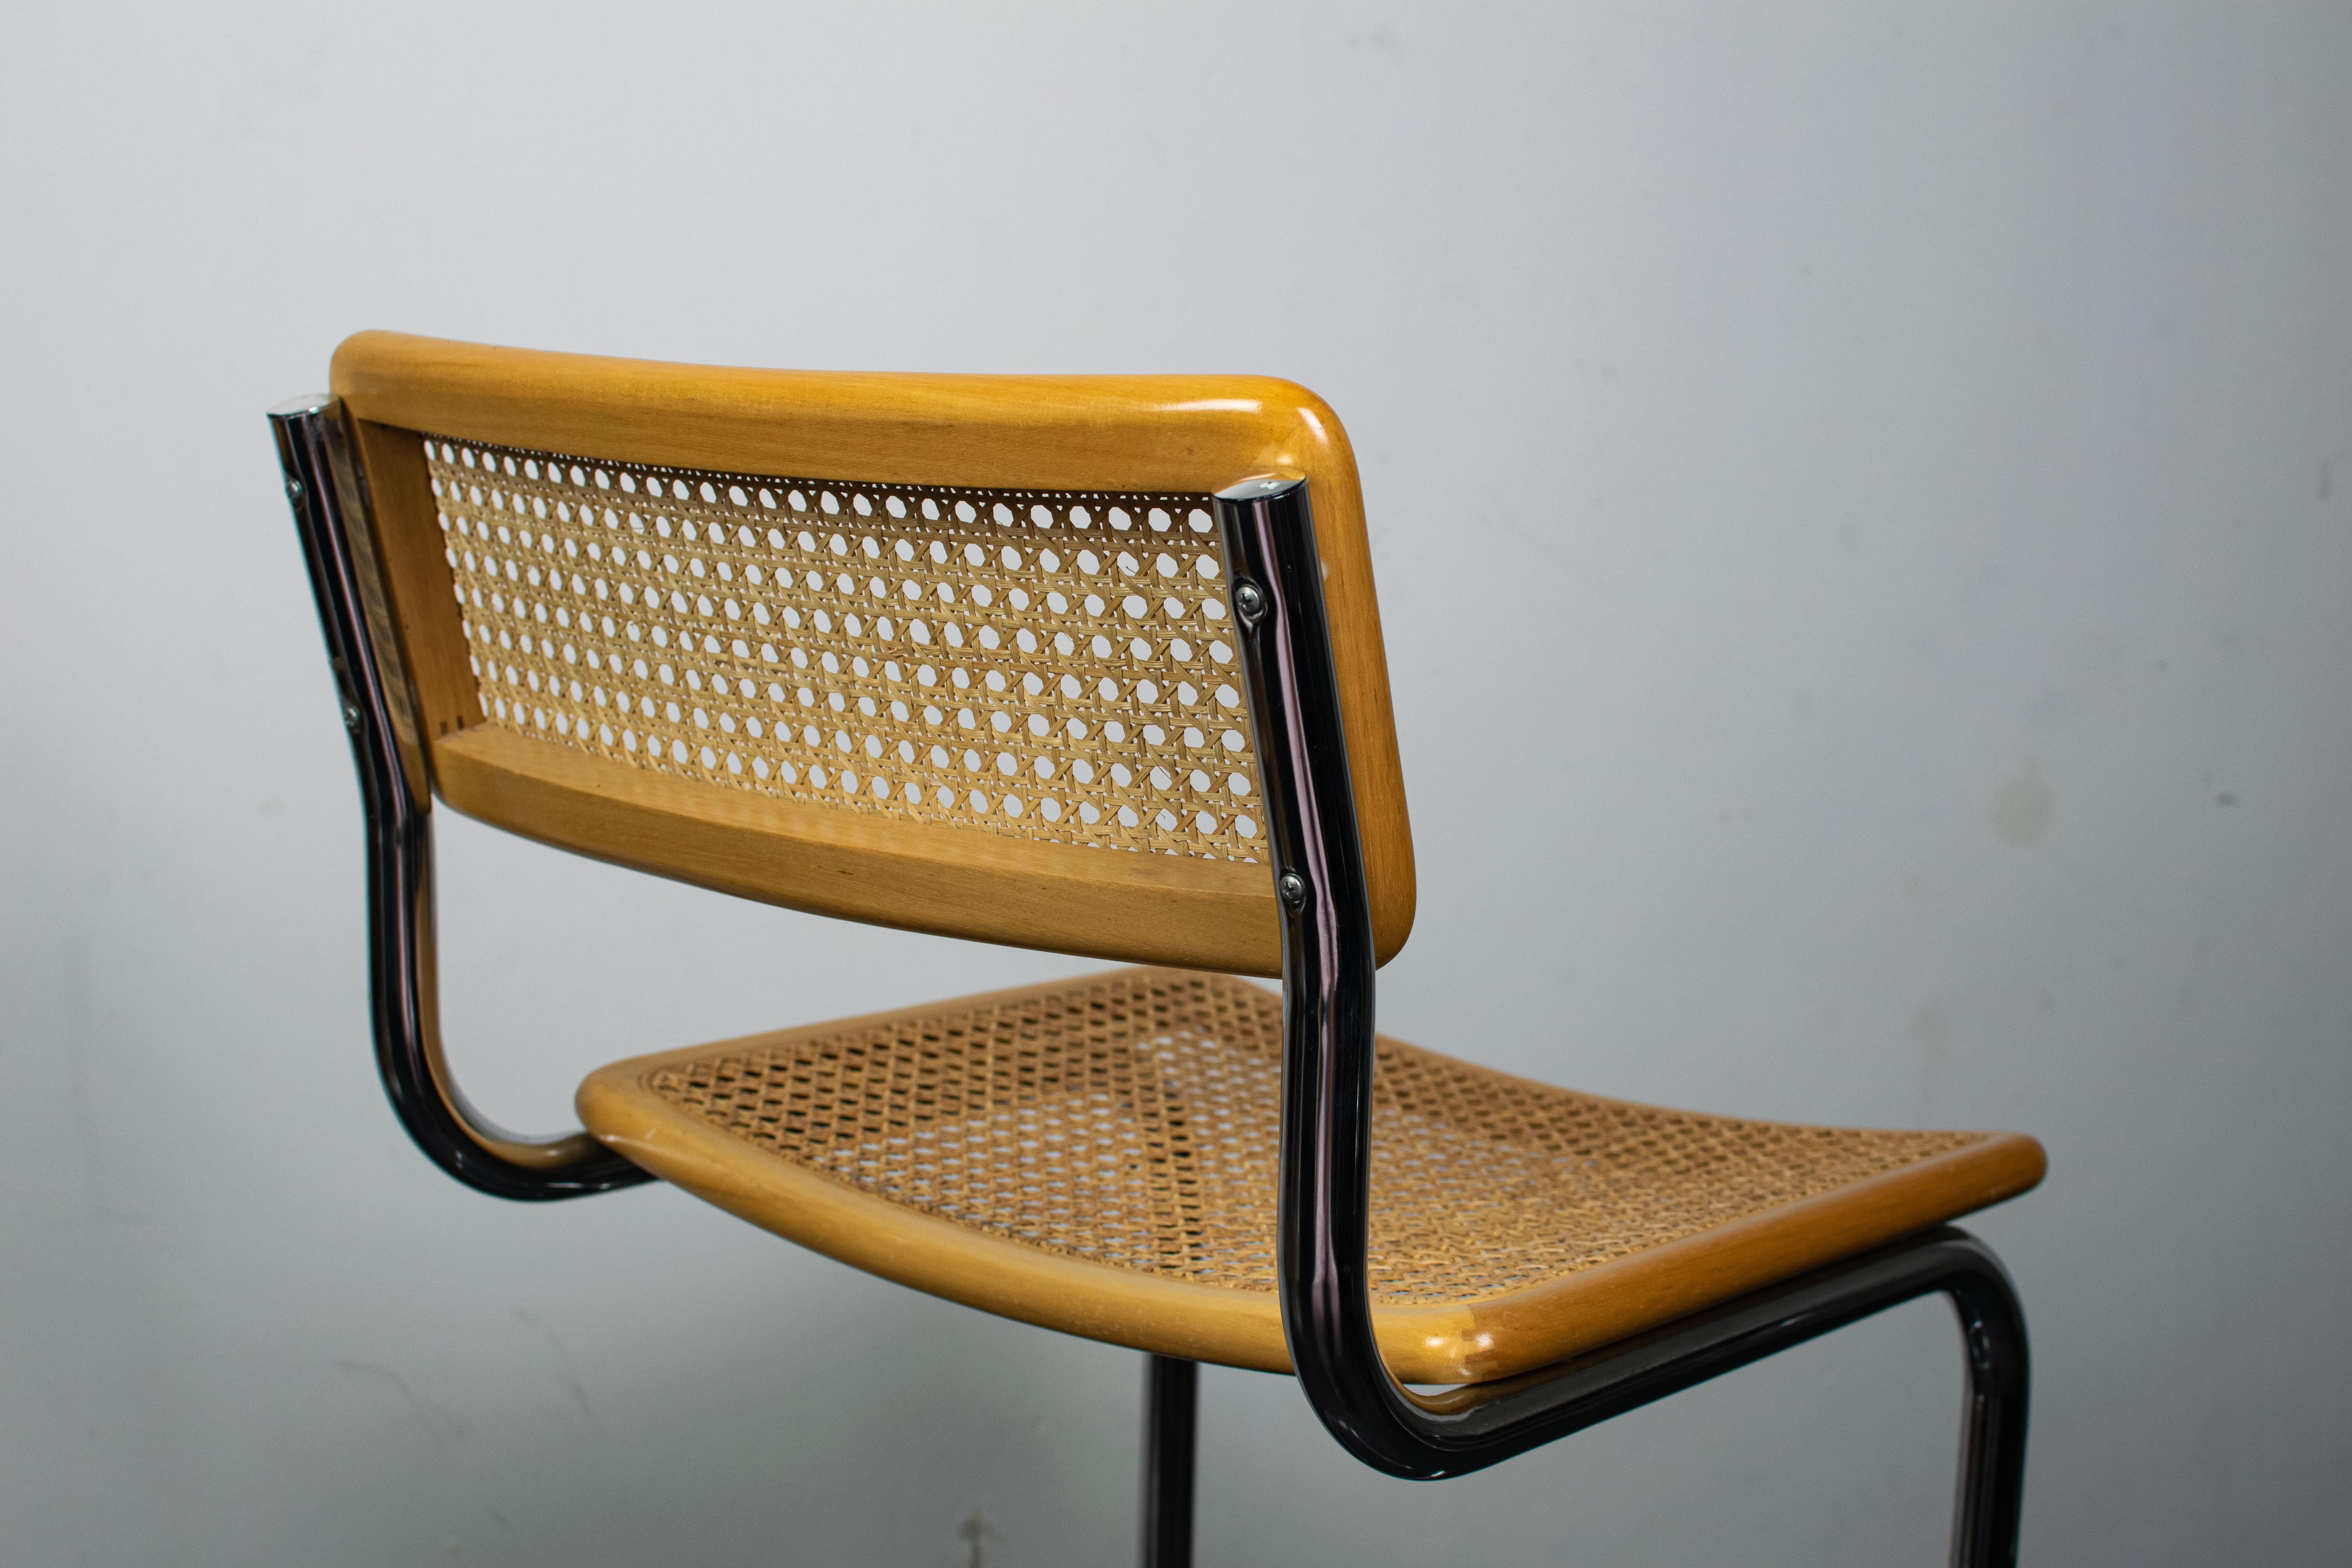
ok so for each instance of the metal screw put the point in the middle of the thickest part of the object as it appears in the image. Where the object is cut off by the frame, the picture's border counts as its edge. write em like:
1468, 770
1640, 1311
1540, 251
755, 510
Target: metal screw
1293, 888
294, 491
350, 716
1249, 603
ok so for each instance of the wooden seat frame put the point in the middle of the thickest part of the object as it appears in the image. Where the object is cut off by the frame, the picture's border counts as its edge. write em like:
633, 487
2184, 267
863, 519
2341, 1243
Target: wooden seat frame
1328, 953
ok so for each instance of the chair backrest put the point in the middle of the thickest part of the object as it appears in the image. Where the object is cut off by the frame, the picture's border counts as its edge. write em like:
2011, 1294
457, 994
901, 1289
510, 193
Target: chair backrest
943, 652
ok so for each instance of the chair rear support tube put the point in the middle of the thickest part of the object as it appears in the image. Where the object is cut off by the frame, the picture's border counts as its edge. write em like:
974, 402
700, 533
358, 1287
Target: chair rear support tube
1323, 1224
328, 494
1171, 1404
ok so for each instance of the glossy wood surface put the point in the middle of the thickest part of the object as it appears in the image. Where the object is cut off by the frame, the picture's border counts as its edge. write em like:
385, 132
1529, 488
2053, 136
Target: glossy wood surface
1212, 914
432, 650
1475, 1340
1192, 433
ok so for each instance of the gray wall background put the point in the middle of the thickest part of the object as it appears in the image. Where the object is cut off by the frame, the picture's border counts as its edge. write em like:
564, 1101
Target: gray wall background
1863, 503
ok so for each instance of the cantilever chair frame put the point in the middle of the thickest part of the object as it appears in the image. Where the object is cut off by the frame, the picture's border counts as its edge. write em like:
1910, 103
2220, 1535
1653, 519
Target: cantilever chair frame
1329, 960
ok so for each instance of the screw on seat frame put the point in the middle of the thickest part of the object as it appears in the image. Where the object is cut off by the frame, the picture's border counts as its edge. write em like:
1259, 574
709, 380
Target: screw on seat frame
1328, 964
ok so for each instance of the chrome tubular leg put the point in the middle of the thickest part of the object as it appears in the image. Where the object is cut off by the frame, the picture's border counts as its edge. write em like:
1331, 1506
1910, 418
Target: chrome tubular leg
327, 489
1171, 1404
1991, 1491
1323, 1216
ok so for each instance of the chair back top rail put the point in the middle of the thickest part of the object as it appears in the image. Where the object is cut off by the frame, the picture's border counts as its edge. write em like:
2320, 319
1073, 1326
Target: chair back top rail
944, 652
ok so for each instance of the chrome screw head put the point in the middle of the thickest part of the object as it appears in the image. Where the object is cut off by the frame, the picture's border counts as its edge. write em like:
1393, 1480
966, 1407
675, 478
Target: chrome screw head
1249, 602
294, 491
1293, 888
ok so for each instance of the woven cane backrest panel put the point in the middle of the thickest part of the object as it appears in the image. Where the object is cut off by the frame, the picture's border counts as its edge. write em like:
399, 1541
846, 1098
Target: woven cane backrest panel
1048, 666
1133, 1120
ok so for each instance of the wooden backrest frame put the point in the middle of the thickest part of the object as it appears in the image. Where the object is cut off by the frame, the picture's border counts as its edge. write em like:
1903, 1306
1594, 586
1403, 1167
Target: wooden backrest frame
1190, 433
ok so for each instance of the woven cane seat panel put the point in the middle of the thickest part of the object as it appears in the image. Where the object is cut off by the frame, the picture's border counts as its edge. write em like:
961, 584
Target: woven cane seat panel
1048, 666
1131, 1120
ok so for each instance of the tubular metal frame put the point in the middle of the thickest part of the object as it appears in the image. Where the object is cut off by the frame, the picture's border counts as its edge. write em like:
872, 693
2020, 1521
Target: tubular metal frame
1171, 1406
1326, 1160
328, 492
1327, 1015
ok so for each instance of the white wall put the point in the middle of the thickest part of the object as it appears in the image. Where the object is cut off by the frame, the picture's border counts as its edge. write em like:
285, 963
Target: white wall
1863, 499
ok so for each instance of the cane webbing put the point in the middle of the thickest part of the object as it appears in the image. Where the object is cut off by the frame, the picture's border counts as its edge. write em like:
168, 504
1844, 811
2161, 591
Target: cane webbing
1132, 1119
1051, 666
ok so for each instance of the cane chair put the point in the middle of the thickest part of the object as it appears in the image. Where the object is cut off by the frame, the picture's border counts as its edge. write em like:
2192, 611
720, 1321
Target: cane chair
1091, 665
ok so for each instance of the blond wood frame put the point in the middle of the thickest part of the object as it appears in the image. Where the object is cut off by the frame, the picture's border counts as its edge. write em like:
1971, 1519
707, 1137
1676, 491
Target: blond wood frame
1188, 434
1470, 1341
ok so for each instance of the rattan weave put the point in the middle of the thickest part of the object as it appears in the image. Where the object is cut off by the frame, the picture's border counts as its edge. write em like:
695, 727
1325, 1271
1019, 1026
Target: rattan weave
1049, 666
1132, 1119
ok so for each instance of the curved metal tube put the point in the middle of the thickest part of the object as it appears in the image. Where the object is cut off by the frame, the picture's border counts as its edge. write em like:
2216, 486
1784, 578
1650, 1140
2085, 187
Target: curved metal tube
328, 494
1323, 1228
